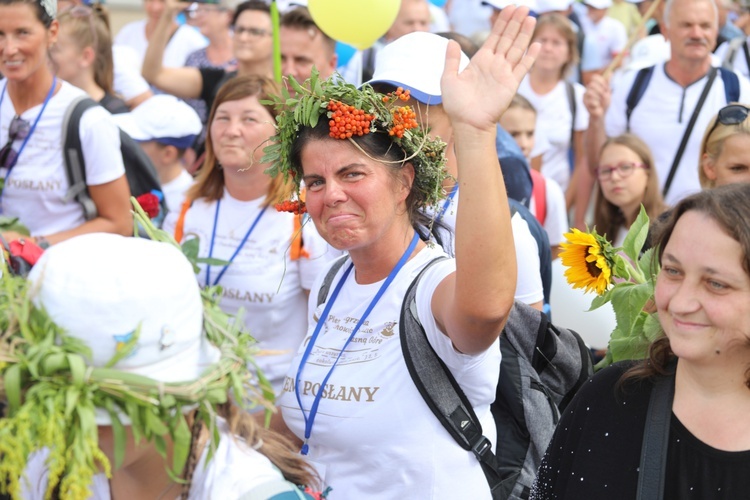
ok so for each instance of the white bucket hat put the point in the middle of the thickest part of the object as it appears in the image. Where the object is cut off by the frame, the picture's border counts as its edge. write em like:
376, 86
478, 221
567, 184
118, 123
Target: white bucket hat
101, 288
415, 62
164, 119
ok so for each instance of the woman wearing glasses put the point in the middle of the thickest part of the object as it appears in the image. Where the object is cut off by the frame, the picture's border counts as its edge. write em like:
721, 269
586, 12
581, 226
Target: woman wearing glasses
83, 54
33, 103
627, 180
724, 155
252, 49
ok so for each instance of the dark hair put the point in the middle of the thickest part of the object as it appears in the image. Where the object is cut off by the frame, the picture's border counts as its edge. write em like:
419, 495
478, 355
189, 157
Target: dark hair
209, 183
41, 14
380, 147
728, 207
299, 18
257, 5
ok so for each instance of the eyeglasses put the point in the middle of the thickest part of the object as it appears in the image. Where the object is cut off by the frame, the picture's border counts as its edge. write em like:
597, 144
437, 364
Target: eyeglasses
625, 169
199, 9
253, 32
734, 114
18, 130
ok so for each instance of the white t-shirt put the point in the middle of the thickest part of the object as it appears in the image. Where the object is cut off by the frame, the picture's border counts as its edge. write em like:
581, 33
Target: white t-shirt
128, 81
739, 65
529, 289
556, 222
174, 191
36, 187
373, 433
234, 470
660, 120
602, 42
184, 42
553, 121
263, 279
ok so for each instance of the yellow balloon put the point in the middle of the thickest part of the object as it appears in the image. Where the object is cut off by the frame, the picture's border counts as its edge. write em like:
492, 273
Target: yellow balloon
357, 22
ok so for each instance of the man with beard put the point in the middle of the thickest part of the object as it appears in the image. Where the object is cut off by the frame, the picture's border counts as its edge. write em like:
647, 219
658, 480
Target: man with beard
658, 104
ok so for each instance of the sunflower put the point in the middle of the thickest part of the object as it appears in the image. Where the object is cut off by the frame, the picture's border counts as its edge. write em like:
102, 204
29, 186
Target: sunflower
589, 259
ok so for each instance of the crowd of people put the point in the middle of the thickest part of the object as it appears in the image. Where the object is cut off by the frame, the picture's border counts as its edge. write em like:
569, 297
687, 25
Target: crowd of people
313, 220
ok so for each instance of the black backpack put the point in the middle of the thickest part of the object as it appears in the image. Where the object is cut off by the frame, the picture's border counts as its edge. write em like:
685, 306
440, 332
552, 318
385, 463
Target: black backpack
542, 368
140, 172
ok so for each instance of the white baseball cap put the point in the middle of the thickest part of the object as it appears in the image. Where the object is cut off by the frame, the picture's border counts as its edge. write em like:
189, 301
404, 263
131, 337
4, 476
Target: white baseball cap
101, 288
501, 4
598, 4
415, 62
162, 118
544, 6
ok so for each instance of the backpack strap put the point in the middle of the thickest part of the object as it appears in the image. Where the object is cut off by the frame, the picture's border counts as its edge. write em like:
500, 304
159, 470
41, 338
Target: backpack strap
686, 136
731, 55
439, 388
179, 229
539, 189
656, 440
75, 165
731, 83
636, 92
328, 280
571, 93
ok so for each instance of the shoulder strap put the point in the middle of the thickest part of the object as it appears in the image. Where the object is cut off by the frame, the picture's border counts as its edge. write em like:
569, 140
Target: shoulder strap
440, 390
656, 440
636, 91
746, 51
328, 280
686, 136
731, 83
539, 188
75, 165
571, 92
729, 57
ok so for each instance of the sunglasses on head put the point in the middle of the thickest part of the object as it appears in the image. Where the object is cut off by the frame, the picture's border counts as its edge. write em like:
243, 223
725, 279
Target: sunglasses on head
733, 114
18, 131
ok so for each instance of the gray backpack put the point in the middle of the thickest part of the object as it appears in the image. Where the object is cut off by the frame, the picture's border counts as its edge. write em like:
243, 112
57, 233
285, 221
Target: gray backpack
542, 368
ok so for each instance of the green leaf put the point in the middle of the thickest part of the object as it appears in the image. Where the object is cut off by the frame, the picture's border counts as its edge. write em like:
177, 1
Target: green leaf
190, 248
77, 369
652, 329
181, 439
71, 400
12, 384
600, 300
628, 300
646, 264
119, 434
154, 424
161, 445
636, 236
296, 86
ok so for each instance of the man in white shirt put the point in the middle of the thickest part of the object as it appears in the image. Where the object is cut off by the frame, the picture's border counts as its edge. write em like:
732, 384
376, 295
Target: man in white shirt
669, 100
605, 38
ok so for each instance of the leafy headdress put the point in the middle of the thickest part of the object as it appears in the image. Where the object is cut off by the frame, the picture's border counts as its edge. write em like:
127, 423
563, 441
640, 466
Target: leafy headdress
352, 112
56, 395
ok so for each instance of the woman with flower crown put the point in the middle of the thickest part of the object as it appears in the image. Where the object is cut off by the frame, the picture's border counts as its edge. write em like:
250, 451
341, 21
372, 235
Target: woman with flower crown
348, 396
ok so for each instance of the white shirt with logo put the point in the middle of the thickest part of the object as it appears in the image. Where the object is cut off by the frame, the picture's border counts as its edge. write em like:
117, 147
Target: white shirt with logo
35, 191
373, 435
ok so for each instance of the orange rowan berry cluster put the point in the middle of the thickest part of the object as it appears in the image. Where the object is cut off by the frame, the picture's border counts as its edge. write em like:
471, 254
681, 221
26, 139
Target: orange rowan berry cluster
404, 118
400, 94
346, 121
295, 207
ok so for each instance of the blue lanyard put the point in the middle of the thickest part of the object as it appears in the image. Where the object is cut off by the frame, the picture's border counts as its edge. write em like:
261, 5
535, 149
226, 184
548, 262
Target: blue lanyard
237, 251
33, 126
309, 420
448, 201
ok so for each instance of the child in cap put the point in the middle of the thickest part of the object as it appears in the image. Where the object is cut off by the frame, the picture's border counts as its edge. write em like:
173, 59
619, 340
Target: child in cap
138, 356
165, 127
605, 38
547, 199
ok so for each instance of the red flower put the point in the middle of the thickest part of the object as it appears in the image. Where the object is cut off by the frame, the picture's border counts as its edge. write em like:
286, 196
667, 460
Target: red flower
149, 202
